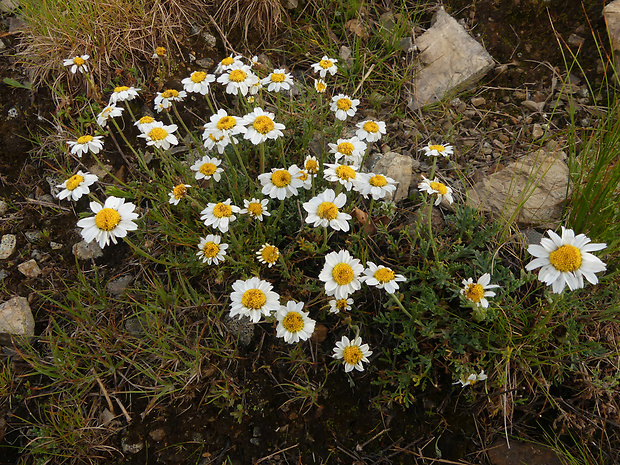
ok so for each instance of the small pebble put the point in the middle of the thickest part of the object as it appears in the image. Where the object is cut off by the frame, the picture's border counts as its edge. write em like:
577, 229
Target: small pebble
30, 269
7, 246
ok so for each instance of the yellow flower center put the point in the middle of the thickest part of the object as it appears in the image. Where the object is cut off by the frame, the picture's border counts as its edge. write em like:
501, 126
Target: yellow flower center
327, 211
566, 258
120, 89
474, 292
341, 304
352, 355
281, 178
370, 126
439, 187
263, 124
107, 219
342, 274
215, 139
237, 75
79, 61
439, 148
346, 148
179, 191
158, 134
312, 166
321, 87
253, 299
277, 77
255, 209
208, 169
303, 175
325, 64
146, 120
345, 172
225, 123
293, 322
344, 104
377, 181
228, 61
198, 76
222, 210
74, 181
384, 275
160, 51
84, 139
211, 249
270, 254
170, 93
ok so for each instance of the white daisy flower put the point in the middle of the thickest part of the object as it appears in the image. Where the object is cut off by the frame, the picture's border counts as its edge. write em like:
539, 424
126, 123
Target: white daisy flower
353, 353
210, 249
341, 274
435, 187
163, 100
437, 150
320, 86
324, 210
306, 179
214, 138
566, 260
160, 135
255, 208
472, 379
222, 123
77, 185
160, 52
344, 174
261, 126
294, 325
277, 81
178, 192
77, 63
268, 255
340, 305
208, 167
238, 79
477, 292
84, 144
253, 298
326, 65
111, 111
144, 122
281, 183
122, 93
382, 277
352, 150
343, 106
311, 165
112, 219
219, 215
376, 185
227, 63
198, 82
370, 130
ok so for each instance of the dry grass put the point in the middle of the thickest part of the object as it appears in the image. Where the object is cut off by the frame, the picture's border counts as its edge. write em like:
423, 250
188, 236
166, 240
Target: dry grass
117, 34
261, 16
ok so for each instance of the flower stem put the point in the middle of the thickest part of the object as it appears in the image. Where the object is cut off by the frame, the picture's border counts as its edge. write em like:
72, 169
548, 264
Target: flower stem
400, 304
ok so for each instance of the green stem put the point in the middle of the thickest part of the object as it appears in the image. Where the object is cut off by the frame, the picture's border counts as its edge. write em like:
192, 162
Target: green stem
400, 304
145, 254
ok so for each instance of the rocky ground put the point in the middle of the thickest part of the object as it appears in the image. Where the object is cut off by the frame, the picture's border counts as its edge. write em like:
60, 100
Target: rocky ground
527, 100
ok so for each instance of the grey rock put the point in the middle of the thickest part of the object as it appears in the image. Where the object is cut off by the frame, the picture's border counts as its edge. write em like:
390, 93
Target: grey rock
54, 182
537, 131
240, 328
532, 105
206, 63
612, 18
4, 207
398, 167
7, 246
86, 251
575, 40
131, 446
532, 236
30, 269
117, 286
346, 55
101, 171
453, 59
291, 4
521, 452
478, 101
3, 274
8, 5
531, 190
55, 245
33, 236
406, 45
16, 317
158, 434
210, 39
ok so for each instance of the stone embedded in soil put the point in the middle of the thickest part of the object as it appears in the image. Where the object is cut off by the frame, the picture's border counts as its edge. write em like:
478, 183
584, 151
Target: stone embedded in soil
117, 286
453, 59
131, 447
240, 328
7, 246
3, 207
612, 19
16, 317
30, 269
521, 453
398, 167
87, 250
532, 190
